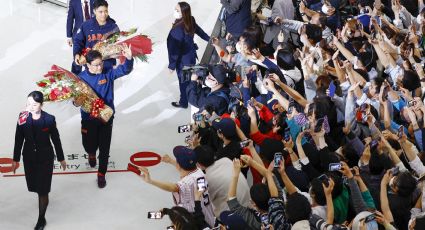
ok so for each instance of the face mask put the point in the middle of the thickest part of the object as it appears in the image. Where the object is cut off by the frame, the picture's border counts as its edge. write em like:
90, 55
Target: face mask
419, 19
210, 84
238, 47
325, 9
177, 15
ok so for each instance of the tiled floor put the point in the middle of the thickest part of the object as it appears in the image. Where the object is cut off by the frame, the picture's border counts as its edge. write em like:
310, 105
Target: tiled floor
32, 39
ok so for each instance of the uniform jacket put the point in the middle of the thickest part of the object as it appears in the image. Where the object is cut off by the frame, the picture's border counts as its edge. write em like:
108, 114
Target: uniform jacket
103, 83
201, 97
91, 33
76, 16
181, 47
36, 140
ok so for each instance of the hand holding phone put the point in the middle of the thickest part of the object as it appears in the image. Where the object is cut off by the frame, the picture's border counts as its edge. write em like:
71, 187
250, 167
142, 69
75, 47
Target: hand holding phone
155, 215
332, 89
201, 184
335, 167
184, 128
278, 158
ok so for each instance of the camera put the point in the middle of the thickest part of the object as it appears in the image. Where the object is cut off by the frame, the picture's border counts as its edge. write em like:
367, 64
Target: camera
198, 117
200, 70
155, 215
335, 166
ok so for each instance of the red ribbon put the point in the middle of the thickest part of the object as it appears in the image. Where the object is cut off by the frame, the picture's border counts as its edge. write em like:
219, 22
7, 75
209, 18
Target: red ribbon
96, 106
85, 51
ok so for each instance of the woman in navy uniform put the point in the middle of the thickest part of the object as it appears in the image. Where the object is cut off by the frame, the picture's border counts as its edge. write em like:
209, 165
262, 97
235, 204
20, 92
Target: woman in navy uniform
34, 131
182, 48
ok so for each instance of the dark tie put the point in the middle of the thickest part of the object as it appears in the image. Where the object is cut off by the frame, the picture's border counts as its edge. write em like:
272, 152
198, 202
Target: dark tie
86, 11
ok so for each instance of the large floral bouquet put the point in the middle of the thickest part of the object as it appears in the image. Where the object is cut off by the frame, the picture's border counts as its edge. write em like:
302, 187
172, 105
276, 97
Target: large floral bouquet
60, 84
111, 45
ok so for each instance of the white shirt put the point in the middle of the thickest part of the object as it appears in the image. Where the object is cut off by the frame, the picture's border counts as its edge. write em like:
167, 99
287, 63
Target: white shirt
219, 176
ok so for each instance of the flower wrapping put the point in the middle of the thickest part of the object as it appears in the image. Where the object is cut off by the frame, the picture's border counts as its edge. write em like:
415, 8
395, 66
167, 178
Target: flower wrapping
111, 46
59, 85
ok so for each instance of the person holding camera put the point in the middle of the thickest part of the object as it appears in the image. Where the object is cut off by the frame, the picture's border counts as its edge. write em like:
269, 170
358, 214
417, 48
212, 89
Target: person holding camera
181, 47
215, 94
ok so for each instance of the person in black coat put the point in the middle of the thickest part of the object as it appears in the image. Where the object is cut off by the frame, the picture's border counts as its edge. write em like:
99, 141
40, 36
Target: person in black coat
34, 131
182, 48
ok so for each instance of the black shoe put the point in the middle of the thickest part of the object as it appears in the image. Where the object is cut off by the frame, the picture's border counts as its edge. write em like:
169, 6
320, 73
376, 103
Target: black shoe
92, 160
40, 224
178, 105
101, 181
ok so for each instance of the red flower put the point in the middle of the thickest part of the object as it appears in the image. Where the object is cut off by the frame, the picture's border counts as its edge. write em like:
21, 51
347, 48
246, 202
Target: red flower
66, 90
53, 96
52, 80
41, 84
222, 53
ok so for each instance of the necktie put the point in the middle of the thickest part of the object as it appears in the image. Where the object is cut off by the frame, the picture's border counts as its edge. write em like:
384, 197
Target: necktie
86, 11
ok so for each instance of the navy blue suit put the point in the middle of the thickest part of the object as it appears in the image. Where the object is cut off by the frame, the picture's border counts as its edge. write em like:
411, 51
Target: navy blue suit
74, 21
182, 52
37, 152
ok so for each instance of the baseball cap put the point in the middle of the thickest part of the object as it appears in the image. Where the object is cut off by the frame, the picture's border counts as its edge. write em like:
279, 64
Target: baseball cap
226, 126
232, 221
185, 157
218, 72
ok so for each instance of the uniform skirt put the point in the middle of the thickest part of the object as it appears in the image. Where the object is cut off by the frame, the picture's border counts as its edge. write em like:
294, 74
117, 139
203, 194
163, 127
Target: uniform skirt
39, 176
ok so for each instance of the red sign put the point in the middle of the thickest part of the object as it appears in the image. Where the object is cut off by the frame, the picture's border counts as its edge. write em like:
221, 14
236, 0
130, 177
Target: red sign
145, 159
6, 165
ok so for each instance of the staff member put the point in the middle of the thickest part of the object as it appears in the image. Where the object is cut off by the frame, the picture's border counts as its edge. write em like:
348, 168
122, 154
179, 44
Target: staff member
182, 48
79, 11
34, 131
94, 30
95, 133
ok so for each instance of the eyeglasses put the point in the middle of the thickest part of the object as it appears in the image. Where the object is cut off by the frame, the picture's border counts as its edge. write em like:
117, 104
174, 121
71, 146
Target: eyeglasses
97, 65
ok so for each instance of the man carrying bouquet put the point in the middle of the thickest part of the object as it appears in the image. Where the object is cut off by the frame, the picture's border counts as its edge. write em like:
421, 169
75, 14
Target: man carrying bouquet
93, 31
95, 133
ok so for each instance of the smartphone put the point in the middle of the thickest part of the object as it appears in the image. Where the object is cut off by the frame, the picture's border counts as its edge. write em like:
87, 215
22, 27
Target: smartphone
133, 168
411, 103
184, 128
305, 127
373, 144
324, 179
290, 109
287, 136
265, 221
170, 227
277, 159
396, 88
244, 143
395, 171
335, 166
251, 103
332, 89
369, 218
198, 117
400, 131
201, 184
155, 215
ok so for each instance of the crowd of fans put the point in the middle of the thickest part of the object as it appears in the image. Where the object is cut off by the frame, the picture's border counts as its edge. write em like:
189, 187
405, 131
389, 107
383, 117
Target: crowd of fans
321, 104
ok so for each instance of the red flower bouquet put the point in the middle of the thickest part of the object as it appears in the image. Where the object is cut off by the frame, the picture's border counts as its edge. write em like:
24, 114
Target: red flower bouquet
111, 46
60, 85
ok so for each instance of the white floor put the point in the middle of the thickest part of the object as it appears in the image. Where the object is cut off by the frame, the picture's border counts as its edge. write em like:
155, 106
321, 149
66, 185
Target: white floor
33, 38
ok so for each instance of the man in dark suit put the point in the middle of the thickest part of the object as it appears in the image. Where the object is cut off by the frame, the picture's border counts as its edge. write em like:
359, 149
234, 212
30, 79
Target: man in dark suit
78, 12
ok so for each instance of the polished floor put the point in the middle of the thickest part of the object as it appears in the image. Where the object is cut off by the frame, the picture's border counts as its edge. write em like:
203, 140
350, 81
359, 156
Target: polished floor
32, 39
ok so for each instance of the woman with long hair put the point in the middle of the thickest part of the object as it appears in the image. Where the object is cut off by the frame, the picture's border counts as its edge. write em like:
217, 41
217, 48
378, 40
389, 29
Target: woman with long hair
182, 48
34, 131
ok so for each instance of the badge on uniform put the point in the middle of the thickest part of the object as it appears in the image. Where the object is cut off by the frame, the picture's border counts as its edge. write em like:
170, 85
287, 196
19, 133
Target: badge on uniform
23, 116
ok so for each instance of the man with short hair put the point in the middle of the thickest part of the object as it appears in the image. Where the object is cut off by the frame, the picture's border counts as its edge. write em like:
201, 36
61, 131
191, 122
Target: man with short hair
183, 190
218, 174
95, 133
226, 131
95, 30
215, 94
